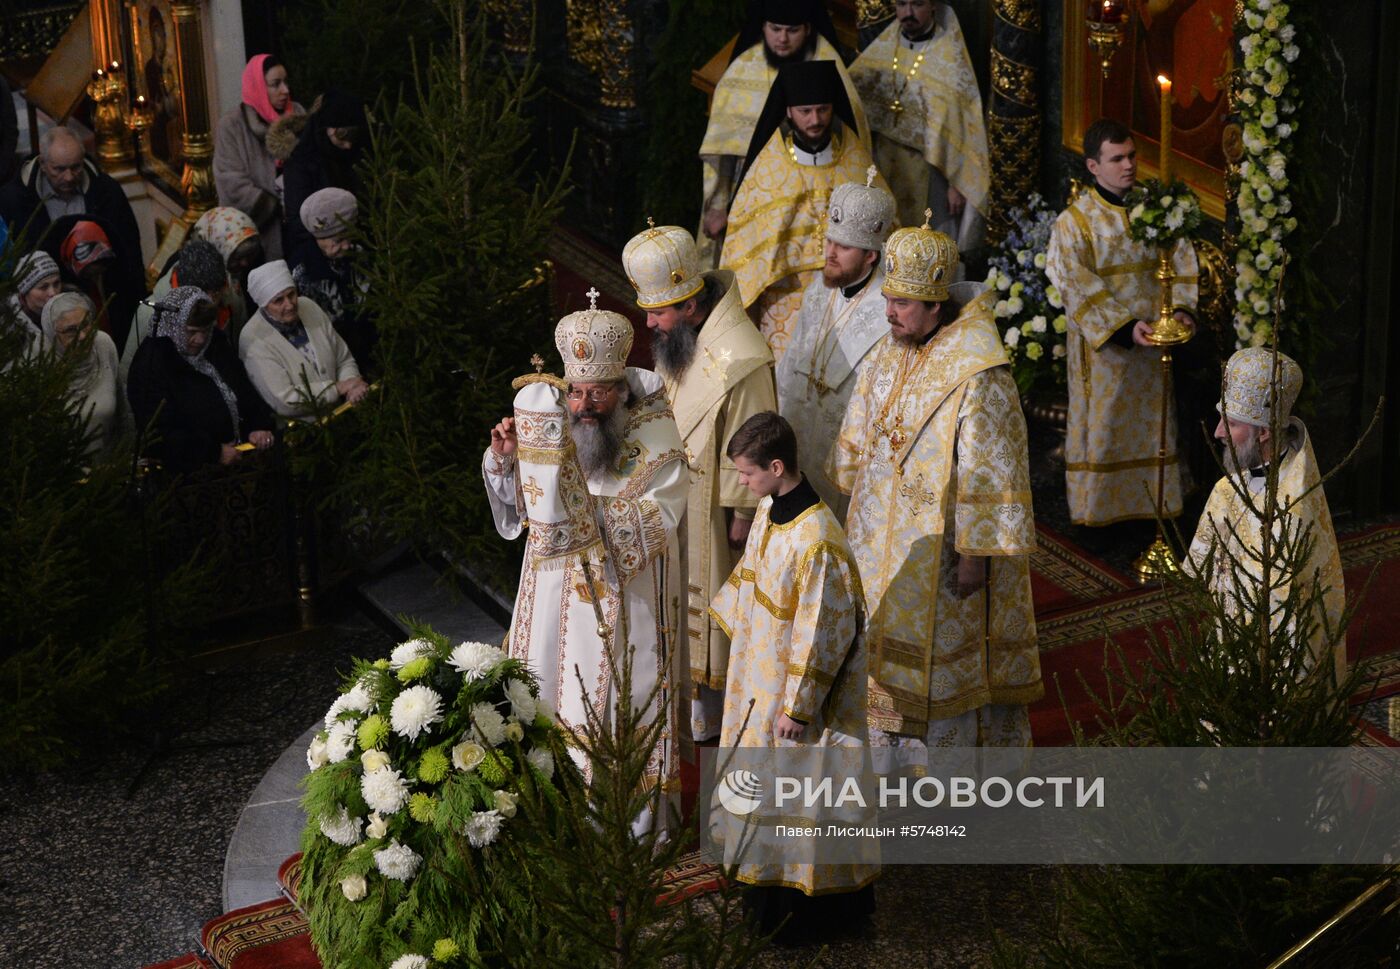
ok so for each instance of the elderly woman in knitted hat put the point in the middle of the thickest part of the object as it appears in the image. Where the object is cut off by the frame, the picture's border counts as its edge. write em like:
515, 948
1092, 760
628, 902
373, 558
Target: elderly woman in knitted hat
95, 388
36, 282
252, 142
336, 135
290, 349
328, 274
189, 392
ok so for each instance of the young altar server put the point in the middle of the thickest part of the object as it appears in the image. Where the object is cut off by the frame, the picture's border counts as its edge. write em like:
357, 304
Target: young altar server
792, 609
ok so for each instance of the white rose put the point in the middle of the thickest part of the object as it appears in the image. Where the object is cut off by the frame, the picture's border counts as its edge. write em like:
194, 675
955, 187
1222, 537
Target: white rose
316, 755
1166, 201
377, 826
1015, 305
1137, 211
1003, 282
1053, 295
1038, 324
1013, 337
515, 732
467, 755
1058, 351
373, 760
1001, 309
354, 887
506, 803
1040, 260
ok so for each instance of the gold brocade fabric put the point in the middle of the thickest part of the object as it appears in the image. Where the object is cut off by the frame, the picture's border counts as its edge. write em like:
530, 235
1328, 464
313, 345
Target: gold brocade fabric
730, 380
1115, 394
777, 225
940, 108
793, 607
933, 454
738, 101
1234, 531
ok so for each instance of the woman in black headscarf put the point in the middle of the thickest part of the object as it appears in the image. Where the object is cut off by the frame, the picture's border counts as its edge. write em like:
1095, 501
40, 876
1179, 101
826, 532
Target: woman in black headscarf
332, 144
189, 391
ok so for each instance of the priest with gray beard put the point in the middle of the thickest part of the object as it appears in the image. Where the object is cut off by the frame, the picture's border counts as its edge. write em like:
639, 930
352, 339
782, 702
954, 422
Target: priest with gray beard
590, 469
718, 372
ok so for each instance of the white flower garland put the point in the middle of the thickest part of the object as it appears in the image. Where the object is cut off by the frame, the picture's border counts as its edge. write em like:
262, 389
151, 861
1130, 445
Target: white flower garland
1267, 99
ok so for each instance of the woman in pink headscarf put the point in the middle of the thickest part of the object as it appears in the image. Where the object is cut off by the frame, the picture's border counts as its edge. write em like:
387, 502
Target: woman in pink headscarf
250, 145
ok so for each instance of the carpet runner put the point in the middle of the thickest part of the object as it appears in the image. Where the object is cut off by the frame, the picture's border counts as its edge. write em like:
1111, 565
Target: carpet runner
1072, 639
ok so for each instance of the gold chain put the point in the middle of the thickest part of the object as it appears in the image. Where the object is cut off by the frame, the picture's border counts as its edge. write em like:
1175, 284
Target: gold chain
912, 362
897, 105
829, 341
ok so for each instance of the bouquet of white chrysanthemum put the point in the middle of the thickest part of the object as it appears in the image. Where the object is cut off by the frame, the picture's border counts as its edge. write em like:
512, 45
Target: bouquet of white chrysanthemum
1160, 214
419, 770
1029, 310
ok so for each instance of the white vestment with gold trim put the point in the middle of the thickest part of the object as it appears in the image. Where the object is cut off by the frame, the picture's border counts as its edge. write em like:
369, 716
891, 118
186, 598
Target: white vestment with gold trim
926, 111
1234, 531
830, 341
793, 608
627, 524
1115, 393
933, 453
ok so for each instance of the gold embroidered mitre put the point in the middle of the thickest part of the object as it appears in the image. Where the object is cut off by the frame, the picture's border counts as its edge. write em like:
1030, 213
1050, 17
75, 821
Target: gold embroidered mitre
860, 215
1248, 392
663, 266
594, 344
920, 263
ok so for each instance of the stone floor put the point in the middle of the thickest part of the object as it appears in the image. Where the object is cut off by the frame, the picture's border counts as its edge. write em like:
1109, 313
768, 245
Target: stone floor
115, 861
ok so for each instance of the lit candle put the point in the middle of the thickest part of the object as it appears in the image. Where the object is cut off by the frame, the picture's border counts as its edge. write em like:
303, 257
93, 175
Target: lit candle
1110, 12
1166, 140
115, 67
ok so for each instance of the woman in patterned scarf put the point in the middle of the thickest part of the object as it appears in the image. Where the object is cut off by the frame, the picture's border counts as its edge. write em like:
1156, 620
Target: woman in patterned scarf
189, 393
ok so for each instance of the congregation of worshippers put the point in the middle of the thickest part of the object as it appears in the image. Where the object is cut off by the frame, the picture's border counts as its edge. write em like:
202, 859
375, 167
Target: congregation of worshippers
817, 505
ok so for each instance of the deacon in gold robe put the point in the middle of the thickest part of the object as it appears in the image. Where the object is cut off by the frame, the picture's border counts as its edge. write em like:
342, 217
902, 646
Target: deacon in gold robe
933, 454
841, 320
797, 678
805, 145
1232, 525
718, 373
777, 32
1109, 287
918, 87
593, 467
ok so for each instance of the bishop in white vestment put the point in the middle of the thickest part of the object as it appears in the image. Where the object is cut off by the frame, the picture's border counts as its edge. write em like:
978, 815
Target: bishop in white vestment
841, 320
600, 483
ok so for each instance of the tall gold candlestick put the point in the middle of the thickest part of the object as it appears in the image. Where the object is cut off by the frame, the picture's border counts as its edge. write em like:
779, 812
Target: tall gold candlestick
1165, 84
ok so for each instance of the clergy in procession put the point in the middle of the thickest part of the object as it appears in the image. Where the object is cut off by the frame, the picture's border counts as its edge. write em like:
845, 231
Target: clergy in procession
793, 607
777, 32
718, 372
805, 144
841, 320
1259, 437
594, 466
925, 109
1110, 292
933, 455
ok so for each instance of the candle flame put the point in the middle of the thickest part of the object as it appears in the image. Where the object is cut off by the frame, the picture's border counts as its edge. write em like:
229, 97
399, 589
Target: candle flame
1165, 81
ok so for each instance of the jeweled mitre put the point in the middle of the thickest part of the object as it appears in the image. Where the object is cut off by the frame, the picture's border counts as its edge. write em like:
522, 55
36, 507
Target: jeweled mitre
920, 263
594, 345
1248, 393
663, 266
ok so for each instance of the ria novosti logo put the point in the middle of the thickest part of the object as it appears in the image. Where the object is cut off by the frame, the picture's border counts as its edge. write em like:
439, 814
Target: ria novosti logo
741, 792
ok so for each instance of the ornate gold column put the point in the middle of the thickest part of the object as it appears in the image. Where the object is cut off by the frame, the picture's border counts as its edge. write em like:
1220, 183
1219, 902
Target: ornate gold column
1013, 123
197, 144
108, 89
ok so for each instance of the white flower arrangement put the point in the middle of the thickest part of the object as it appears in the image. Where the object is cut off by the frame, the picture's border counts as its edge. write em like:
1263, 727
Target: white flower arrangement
1266, 97
427, 759
1030, 313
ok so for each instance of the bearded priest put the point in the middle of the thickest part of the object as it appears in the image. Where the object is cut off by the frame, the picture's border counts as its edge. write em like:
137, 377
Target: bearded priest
1260, 438
933, 454
805, 144
841, 321
718, 373
594, 467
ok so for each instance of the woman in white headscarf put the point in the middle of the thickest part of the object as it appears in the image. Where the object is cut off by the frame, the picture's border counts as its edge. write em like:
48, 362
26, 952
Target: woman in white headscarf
68, 322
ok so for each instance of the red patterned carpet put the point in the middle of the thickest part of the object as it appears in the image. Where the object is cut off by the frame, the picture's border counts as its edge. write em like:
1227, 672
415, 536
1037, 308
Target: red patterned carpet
1072, 638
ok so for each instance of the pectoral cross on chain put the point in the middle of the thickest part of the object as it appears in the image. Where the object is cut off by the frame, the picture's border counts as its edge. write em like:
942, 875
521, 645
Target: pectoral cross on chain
532, 489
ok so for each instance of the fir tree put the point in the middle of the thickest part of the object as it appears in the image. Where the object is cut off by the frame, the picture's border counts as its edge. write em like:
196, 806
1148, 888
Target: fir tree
81, 614
459, 290
1244, 664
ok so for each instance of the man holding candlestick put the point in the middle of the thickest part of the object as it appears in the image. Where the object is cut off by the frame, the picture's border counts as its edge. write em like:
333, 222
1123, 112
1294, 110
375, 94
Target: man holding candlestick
1110, 294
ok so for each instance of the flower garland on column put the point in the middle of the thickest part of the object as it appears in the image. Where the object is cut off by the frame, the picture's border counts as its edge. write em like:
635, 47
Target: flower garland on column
1266, 97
